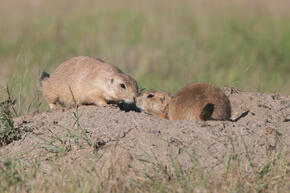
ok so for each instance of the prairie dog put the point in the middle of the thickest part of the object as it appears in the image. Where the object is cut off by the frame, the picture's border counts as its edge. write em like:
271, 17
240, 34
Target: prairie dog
86, 80
153, 102
197, 101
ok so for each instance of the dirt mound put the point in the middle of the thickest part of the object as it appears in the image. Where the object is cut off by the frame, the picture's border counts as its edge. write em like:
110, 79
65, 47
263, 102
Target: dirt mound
141, 143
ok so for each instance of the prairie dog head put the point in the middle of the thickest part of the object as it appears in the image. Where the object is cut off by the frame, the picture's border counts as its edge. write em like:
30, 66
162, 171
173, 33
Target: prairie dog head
154, 101
122, 88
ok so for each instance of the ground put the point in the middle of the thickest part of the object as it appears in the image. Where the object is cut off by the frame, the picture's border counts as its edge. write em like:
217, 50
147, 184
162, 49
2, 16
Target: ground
144, 146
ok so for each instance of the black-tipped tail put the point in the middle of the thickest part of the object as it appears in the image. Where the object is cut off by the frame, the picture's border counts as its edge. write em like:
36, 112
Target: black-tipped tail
206, 112
44, 76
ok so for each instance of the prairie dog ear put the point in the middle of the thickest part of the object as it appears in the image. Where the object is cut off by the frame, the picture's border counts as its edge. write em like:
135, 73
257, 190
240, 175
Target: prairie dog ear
162, 99
112, 81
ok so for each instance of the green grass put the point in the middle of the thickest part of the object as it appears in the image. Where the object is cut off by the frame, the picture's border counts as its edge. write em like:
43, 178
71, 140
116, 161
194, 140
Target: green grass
163, 45
8, 132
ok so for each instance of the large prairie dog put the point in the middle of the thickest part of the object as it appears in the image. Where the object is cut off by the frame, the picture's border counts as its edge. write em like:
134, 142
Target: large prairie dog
153, 102
86, 80
197, 101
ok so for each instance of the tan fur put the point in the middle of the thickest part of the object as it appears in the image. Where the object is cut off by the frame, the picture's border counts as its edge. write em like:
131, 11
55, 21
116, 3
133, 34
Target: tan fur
88, 81
191, 103
154, 102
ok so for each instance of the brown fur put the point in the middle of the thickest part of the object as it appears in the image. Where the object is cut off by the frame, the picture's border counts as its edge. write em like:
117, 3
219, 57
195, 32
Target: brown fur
86, 80
199, 101
154, 102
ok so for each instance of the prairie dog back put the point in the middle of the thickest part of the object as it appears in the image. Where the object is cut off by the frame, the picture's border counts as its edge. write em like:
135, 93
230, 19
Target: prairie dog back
199, 101
86, 80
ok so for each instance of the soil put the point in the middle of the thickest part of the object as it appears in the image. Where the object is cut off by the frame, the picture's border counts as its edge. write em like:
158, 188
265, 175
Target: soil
142, 143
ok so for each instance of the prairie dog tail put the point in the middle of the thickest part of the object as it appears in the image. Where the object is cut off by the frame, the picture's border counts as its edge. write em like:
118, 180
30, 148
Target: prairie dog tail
206, 112
43, 77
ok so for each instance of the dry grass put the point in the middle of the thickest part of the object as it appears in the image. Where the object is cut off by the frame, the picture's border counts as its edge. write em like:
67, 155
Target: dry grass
60, 176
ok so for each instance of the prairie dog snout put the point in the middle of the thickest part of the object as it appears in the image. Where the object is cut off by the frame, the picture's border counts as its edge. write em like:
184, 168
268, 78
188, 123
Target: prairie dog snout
154, 101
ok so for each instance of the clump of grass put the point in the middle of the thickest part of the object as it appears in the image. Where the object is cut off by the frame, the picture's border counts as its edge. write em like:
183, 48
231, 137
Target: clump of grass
57, 145
10, 175
8, 132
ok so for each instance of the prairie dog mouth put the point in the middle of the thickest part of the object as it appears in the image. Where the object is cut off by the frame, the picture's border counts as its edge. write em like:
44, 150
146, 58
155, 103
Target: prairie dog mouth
146, 112
143, 110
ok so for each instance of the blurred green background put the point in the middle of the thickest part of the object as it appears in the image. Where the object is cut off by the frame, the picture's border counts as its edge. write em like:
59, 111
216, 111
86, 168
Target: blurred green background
163, 44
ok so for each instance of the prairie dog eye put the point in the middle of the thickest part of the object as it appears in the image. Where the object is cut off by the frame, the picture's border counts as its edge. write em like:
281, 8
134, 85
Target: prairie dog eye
123, 86
150, 96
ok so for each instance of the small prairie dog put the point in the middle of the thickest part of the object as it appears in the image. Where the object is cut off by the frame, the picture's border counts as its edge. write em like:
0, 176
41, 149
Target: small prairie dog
86, 80
153, 102
197, 101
